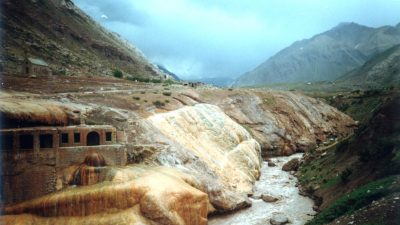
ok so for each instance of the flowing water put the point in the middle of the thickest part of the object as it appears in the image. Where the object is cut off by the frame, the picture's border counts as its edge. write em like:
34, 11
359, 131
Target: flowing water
276, 183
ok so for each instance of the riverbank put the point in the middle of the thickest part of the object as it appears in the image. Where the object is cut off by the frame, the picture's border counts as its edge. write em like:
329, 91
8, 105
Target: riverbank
276, 183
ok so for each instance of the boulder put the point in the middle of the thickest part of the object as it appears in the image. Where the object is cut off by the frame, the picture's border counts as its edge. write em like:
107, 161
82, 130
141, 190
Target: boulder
292, 165
268, 198
279, 219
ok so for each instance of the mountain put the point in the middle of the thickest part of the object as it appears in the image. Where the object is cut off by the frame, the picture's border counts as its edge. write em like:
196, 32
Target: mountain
67, 39
325, 56
168, 72
380, 71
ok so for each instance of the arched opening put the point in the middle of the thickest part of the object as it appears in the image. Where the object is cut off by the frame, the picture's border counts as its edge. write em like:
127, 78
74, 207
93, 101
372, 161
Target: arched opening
93, 138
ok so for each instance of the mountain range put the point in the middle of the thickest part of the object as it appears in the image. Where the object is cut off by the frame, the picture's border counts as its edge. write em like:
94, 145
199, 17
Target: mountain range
324, 57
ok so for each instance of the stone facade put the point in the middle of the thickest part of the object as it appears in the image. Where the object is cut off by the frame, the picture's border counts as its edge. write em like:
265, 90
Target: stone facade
35, 157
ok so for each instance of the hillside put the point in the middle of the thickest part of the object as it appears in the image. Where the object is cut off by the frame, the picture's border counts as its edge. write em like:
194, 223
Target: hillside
380, 71
67, 39
325, 56
352, 180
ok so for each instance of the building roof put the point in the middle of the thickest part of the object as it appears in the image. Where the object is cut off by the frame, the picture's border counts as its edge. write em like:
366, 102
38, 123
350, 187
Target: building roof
60, 128
37, 61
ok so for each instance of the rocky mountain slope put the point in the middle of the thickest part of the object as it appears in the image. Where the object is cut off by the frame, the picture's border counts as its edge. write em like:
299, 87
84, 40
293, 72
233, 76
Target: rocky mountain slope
357, 180
325, 56
67, 39
383, 70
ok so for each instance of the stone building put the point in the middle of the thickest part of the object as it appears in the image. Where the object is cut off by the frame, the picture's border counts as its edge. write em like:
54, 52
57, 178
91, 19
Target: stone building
34, 158
36, 67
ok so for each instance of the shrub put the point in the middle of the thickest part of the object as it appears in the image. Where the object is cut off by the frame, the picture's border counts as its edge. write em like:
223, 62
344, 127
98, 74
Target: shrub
117, 73
142, 92
344, 175
167, 93
158, 104
167, 101
136, 97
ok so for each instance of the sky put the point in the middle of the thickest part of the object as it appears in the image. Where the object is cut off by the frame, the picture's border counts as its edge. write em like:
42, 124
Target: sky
226, 38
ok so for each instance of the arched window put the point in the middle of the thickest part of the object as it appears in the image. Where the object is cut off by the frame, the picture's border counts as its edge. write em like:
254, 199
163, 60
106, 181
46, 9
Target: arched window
93, 138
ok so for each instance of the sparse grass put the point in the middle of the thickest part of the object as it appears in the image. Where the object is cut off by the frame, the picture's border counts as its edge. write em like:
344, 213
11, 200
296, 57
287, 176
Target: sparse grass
270, 100
142, 92
356, 199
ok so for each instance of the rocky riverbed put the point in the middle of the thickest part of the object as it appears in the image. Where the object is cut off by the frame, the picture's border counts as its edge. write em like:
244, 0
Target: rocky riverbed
276, 199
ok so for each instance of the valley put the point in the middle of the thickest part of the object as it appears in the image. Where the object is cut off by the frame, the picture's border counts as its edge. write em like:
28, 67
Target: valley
93, 132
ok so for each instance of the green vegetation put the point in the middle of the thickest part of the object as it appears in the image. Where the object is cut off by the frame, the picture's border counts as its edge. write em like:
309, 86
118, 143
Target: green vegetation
136, 97
118, 73
270, 100
158, 104
144, 79
167, 93
356, 199
344, 175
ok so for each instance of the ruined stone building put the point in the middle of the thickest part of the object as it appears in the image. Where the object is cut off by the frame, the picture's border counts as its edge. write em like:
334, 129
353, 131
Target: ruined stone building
34, 158
36, 67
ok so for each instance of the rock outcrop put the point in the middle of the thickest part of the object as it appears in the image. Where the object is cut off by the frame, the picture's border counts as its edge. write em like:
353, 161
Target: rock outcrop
292, 165
282, 122
224, 146
132, 195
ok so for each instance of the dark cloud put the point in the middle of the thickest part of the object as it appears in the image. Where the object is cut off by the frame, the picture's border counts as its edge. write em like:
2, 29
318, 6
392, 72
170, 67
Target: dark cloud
203, 38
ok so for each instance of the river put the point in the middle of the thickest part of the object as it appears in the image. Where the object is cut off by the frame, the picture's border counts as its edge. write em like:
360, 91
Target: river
277, 183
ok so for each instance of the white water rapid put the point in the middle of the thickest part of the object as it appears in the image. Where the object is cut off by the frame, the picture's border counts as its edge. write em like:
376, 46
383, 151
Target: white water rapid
276, 183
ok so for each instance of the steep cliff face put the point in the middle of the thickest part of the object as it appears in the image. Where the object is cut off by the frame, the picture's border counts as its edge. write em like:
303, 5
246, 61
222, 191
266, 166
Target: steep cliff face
66, 38
325, 56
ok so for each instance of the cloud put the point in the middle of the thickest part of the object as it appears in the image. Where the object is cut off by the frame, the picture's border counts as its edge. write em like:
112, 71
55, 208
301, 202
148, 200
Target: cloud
204, 38
104, 16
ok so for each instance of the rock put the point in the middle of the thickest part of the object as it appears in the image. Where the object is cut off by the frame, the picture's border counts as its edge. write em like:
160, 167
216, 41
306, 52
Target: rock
292, 165
279, 219
268, 198
271, 164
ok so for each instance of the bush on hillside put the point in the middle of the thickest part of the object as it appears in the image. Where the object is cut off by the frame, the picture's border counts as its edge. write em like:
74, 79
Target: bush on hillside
118, 74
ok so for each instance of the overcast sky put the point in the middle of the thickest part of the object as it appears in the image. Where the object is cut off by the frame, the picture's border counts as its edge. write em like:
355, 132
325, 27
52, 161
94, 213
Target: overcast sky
210, 38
